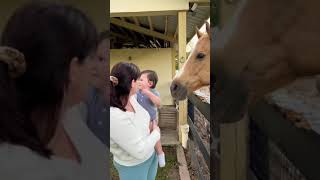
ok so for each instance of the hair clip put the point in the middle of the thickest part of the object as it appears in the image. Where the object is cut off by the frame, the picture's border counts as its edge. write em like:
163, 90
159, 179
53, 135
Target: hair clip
14, 59
114, 80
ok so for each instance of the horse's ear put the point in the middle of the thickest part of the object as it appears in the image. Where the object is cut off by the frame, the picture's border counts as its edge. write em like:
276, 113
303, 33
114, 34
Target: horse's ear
208, 28
199, 34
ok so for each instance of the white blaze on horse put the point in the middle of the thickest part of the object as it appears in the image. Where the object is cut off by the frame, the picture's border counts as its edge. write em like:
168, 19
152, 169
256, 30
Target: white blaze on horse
195, 72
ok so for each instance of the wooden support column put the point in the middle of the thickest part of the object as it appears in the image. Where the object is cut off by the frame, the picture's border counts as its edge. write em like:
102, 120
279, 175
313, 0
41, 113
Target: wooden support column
173, 56
182, 43
233, 136
234, 150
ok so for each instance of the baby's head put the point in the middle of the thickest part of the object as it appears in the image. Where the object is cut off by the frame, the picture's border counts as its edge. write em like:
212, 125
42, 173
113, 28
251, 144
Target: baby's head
148, 79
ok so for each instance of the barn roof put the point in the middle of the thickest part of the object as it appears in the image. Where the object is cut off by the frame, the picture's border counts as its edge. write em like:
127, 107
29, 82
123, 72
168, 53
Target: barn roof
155, 31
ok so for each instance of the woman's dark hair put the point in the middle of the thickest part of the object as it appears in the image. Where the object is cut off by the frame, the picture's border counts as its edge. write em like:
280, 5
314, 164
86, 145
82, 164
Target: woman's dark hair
152, 76
49, 35
125, 73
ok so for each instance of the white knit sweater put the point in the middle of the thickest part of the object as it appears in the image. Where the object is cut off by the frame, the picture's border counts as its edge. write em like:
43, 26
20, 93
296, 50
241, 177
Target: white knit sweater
131, 142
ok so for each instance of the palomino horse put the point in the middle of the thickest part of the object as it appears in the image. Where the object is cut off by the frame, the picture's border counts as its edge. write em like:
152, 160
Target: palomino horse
195, 72
266, 45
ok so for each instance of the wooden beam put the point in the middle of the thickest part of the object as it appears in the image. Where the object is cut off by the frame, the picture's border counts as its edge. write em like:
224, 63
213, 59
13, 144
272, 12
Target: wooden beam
182, 30
125, 8
176, 32
151, 28
165, 30
122, 31
166, 26
131, 32
150, 23
173, 53
141, 29
266, 117
141, 14
136, 21
201, 2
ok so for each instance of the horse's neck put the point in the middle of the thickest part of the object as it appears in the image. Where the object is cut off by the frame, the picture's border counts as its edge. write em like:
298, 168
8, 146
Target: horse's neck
257, 20
222, 36
254, 25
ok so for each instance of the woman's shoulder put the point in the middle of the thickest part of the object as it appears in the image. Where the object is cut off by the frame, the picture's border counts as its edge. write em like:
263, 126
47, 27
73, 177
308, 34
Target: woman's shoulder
117, 113
30, 165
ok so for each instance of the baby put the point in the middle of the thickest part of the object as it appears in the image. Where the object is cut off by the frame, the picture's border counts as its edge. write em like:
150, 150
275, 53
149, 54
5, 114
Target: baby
149, 98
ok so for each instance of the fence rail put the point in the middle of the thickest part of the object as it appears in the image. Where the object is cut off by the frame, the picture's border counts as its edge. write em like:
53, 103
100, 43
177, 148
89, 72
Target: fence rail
204, 109
301, 147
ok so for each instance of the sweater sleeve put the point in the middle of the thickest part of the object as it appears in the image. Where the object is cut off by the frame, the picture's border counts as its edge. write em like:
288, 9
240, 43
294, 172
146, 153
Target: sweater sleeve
129, 138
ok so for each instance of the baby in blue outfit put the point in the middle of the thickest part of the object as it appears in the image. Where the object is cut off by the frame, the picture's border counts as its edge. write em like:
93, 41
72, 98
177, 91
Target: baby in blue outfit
149, 98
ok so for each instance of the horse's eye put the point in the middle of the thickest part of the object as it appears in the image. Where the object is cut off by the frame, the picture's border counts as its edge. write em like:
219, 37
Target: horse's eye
200, 56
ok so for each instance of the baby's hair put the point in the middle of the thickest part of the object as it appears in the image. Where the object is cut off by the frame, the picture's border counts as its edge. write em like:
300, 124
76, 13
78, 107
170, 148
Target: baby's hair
152, 76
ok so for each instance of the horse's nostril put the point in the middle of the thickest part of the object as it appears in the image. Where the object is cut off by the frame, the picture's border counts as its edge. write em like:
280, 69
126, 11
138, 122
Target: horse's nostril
174, 87
178, 91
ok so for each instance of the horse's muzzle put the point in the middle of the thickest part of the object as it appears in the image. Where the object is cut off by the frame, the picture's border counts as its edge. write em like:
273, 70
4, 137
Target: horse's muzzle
178, 91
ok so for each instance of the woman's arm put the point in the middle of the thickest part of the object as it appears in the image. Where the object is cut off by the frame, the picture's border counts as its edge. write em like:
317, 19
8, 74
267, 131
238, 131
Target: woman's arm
128, 137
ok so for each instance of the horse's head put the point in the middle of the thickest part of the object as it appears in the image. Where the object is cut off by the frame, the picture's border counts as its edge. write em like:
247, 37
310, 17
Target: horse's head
195, 72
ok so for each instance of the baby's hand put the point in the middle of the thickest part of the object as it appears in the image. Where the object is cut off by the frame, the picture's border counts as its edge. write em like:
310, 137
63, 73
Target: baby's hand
145, 90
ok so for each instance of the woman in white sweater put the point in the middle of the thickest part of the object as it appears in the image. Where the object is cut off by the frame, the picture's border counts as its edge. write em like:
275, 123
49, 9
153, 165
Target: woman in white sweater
131, 142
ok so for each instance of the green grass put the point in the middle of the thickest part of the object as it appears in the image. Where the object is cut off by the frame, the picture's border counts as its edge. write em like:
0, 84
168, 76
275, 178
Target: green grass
113, 170
166, 173
171, 164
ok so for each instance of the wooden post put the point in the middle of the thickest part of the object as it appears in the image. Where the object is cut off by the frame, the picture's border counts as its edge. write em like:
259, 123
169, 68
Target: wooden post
234, 150
233, 136
182, 40
173, 55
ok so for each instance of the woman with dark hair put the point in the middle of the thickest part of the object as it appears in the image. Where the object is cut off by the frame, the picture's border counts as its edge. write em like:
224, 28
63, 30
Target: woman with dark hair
47, 61
131, 142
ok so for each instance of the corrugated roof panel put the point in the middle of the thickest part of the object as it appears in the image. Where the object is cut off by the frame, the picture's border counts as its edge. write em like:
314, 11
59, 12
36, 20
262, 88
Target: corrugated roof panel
172, 24
143, 20
158, 22
196, 18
